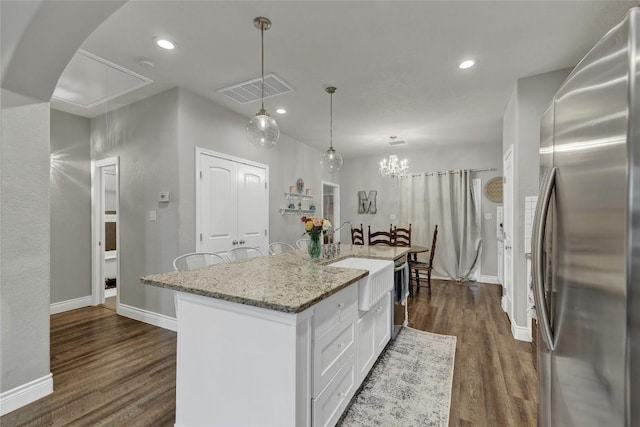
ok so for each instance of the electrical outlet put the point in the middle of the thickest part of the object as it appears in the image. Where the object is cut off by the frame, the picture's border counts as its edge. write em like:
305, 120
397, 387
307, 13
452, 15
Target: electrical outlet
488, 216
392, 217
152, 216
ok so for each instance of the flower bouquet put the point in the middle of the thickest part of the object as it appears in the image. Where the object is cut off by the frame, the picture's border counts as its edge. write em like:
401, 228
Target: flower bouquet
315, 226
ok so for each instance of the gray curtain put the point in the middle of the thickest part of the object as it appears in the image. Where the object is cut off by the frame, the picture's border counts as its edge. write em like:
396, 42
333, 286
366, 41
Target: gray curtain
446, 200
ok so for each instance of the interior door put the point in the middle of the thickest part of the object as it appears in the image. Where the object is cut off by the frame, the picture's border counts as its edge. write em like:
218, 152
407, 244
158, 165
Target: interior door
218, 197
232, 204
507, 302
252, 203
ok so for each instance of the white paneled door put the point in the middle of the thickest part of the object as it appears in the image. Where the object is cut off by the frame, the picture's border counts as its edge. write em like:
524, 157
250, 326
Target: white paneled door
231, 204
507, 298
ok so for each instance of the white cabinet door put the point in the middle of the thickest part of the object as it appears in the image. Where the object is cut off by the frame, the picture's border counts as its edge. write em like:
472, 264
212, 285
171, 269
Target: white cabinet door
381, 319
366, 346
231, 201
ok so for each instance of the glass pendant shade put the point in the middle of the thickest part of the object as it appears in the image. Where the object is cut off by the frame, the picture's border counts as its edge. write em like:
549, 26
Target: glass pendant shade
331, 161
263, 131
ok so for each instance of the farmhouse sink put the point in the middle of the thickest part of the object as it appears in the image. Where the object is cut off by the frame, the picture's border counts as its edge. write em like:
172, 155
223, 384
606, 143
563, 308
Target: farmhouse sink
373, 287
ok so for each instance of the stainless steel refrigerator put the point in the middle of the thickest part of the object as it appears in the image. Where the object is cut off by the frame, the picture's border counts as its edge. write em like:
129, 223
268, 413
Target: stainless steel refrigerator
586, 249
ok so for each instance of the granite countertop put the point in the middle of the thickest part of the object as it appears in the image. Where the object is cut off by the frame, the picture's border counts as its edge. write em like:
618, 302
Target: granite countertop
288, 282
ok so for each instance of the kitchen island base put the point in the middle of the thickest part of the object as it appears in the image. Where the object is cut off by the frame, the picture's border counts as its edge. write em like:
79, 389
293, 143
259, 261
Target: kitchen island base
241, 365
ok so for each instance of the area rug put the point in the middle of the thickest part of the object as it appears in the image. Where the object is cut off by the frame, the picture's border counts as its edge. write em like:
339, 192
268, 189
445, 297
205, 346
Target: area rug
409, 386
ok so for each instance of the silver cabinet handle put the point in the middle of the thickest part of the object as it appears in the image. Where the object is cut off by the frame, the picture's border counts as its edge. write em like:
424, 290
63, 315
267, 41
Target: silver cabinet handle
542, 210
235, 242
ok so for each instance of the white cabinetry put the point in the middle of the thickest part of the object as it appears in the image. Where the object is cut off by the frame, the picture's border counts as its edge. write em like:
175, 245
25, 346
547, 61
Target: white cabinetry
334, 344
374, 333
240, 365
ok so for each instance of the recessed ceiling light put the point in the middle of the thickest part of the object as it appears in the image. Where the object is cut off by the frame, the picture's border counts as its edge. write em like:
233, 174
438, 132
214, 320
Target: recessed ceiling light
467, 64
165, 44
281, 111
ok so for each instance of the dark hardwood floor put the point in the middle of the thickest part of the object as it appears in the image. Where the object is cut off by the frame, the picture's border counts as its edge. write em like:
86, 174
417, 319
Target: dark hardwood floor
494, 380
112, 371
107, 370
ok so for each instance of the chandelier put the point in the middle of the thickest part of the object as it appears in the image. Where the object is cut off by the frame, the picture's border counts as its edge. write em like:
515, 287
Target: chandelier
393, 167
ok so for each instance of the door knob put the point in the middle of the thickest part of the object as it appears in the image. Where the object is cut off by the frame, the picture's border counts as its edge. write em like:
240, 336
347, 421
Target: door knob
235, 242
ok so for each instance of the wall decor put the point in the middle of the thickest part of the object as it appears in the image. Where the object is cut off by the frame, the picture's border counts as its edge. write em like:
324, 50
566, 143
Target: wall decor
493, 189
367, 203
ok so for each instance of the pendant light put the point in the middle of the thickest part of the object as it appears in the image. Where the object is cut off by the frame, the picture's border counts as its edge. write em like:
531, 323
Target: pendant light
331, 159
262, 130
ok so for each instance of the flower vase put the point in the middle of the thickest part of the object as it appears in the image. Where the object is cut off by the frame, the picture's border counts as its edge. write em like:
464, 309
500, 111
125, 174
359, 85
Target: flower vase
314, 248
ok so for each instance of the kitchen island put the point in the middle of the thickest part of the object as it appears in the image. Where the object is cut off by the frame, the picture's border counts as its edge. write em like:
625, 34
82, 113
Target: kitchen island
275, 341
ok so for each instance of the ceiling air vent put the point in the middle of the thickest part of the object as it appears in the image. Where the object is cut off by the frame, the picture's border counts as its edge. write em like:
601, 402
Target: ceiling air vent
250, 90
393, 142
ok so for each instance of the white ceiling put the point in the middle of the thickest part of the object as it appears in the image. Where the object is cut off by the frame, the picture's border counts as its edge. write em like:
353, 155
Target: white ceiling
394, 63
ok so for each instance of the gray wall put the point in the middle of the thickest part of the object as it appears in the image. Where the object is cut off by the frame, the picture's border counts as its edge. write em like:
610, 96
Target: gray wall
24, 240
145, 137
70, 186
206, 125
521, 128
362, 174
155, 139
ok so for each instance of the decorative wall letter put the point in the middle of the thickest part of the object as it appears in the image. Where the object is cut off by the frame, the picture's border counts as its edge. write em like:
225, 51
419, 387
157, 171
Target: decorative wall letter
367, 204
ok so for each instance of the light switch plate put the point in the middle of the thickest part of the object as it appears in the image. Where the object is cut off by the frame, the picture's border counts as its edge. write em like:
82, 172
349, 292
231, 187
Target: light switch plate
152, 215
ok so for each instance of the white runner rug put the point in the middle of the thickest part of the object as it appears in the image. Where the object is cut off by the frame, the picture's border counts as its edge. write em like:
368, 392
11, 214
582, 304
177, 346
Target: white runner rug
409, 386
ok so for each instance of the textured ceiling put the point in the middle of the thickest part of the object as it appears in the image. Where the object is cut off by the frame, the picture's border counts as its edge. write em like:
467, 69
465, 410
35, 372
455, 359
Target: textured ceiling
394, 63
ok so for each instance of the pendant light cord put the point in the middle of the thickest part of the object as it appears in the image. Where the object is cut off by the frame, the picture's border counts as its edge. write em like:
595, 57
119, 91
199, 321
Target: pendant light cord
331, 123
262, 44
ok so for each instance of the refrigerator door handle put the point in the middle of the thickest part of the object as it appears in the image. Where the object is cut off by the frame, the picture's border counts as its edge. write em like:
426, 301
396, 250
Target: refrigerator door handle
542, 209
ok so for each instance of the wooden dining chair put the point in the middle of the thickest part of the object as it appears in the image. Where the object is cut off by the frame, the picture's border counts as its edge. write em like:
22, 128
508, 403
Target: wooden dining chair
424, 267
380, 238
402, 236
357, 235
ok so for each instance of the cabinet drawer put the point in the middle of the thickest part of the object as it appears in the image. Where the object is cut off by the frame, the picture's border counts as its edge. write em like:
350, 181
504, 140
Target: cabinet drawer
331, 351
330, 404
331, 311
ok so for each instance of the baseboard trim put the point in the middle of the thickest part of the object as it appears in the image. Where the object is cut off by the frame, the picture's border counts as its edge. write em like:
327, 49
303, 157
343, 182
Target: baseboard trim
149, 317
521, 333
24, 394
489, 279
71, 304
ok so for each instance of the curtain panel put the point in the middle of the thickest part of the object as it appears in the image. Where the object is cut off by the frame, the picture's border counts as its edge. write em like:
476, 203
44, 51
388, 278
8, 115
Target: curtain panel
446, 200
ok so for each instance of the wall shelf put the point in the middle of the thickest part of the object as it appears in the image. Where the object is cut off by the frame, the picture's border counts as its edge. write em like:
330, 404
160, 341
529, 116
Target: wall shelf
294, 196
297, 212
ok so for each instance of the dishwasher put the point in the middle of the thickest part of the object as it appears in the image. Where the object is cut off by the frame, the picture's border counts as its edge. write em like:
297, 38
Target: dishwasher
400, 291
